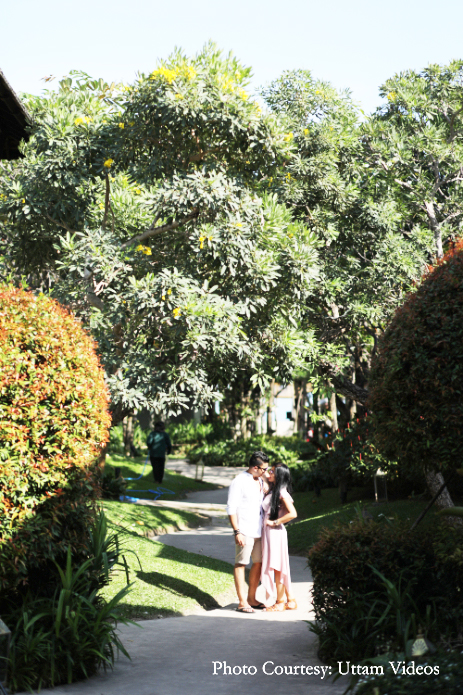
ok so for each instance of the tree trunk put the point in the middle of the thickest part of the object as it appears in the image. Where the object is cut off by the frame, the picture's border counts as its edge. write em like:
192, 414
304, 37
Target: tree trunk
297, 403
127, 432
334, 413
271, 403
302, 415
245, 397
435, 226
444, 501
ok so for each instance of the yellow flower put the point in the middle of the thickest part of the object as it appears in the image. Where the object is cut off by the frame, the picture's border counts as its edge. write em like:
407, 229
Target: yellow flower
238, 224
78, 121
23, 201
288, 176
108, 163
179, 96
163, 297
201, 241
288, 137
290, 235
190, 73
138, 191
169, 291
144, 249
176, 312
210, 238
243, 94
121, 125
165, 73
101, 206
306, 131
391, 96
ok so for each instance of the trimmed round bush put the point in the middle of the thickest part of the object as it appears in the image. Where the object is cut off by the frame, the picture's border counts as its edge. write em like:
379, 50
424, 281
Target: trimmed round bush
416, 379
350, 599
53, 424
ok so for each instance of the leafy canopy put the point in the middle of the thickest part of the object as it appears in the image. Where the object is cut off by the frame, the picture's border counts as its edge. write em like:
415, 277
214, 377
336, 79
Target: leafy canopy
143, 205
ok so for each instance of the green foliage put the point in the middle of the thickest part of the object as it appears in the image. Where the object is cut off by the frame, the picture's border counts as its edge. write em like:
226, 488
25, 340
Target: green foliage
414, 143
417, 374
68, 635
116, 439
191, 433
111, 487
187, 274
53, 425
350, 456
440, 675
366, 260
231, 453
360, 613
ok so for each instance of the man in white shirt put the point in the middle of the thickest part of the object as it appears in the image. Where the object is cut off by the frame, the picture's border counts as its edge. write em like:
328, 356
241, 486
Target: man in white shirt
244, 511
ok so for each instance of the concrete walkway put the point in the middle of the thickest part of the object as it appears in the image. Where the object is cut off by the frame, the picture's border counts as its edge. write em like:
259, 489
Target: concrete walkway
218, 652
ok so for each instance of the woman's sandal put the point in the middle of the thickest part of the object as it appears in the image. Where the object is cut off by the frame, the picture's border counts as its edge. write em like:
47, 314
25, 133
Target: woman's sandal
291, 605
277, 607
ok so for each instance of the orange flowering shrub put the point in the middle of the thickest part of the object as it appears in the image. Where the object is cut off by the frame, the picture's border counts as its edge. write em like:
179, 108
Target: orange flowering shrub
53, 423
417, 375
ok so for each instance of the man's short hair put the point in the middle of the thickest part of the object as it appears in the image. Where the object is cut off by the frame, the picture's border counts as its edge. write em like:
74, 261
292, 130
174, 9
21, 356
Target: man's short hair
256, 457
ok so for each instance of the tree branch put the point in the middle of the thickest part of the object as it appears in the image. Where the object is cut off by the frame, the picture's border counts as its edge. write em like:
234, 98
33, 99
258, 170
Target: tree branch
155, 231
96, 301
60, 224
344, 386
106, 201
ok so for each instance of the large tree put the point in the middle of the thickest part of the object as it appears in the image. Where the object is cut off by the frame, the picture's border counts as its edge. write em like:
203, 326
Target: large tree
143, 208
367, 262
414, 144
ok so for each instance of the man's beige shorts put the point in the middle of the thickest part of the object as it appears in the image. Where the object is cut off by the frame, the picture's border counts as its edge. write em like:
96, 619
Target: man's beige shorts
252, 548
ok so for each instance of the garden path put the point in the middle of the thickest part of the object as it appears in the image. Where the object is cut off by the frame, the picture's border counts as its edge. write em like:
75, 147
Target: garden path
177, 655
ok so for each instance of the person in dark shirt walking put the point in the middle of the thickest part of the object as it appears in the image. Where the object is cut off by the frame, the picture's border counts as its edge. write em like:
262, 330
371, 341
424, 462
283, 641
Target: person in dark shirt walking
159, 445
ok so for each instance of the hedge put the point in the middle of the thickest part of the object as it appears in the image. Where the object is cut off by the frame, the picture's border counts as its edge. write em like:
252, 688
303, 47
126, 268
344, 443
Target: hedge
53, 424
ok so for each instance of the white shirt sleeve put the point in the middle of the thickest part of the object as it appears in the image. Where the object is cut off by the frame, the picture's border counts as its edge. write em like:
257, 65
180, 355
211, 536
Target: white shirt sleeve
234, 495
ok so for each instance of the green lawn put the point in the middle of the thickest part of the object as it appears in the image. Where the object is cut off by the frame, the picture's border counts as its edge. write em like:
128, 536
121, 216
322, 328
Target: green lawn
315, 513
169, 581
132, 468
149, 521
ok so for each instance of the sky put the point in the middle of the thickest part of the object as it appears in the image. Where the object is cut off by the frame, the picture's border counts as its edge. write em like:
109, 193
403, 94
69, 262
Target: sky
355, 44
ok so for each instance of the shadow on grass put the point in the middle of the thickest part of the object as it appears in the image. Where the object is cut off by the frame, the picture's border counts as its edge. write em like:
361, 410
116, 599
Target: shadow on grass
179, 587
170, 552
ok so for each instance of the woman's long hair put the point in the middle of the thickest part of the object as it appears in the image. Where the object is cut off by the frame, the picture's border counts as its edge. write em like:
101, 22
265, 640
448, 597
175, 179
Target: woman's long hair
282, 482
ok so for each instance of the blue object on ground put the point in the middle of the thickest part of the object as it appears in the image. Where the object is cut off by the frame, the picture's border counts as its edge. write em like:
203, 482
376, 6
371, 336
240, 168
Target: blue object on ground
157, 494
143, 471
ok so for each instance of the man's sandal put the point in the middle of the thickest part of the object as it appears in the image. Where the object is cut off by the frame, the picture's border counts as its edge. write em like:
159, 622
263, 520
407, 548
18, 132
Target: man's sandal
277, 607
258, 607
245, 609
291, 605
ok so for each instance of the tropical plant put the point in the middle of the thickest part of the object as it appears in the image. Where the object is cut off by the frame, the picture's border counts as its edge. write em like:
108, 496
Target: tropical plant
69, 635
